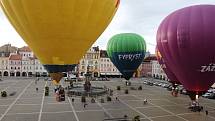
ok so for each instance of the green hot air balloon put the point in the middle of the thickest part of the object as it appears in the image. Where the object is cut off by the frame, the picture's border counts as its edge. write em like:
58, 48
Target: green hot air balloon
126, 51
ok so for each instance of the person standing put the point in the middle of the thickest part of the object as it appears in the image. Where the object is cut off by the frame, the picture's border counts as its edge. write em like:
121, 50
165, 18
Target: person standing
144, 101
206, 112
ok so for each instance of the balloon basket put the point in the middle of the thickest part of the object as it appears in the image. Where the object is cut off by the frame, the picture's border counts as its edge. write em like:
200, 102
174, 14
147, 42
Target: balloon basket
194, 96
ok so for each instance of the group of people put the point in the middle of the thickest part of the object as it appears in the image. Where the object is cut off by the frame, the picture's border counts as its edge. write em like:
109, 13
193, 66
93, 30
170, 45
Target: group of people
128, 83
60, 93
195, 107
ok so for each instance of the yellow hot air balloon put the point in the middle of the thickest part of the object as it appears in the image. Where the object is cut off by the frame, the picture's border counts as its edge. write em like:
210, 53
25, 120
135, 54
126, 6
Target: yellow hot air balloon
59, 31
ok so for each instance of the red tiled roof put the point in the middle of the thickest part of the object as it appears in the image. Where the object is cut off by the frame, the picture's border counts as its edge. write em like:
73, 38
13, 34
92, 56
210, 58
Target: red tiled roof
103, 54
150, 58
15, 57
25, 49
31, 58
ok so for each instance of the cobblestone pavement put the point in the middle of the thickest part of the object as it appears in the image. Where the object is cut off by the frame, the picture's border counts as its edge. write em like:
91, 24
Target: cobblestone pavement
29, 105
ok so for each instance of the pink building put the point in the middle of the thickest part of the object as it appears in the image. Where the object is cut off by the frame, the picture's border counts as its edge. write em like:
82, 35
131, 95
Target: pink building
146, 70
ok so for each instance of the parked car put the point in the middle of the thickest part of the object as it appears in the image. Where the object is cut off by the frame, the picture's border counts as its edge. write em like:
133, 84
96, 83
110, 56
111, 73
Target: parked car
169, 88
184, 91
150, 83
209, 95
164, 85
159, 84
156, 83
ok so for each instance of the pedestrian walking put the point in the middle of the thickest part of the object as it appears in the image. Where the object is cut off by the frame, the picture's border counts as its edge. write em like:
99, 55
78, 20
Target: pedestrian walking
85, 104
73, 99
206, 112
37, 89
201, 108
117, 99
125, 116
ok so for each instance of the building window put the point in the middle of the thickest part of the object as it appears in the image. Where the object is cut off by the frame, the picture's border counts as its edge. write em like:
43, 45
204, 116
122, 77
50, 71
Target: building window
11, 68
41, 68
18, 67
15, 68
82, 67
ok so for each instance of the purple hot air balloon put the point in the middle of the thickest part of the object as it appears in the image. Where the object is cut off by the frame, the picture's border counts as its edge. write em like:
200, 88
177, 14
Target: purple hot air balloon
173, 79
186, 40
166, 68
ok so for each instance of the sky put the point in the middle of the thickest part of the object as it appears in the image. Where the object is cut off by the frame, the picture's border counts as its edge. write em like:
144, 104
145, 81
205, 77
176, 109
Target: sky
133, 16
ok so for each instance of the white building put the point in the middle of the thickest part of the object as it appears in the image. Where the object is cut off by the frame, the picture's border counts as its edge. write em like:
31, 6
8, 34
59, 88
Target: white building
15, 63
22, 63
28, 66
4, 66
157, 71
91, 61
27, 61
39, 68
25, 52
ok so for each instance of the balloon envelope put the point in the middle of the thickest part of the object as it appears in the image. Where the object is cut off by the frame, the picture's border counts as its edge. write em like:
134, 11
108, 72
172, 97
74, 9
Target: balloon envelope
186, 40
166, 68
126, 51
59, 32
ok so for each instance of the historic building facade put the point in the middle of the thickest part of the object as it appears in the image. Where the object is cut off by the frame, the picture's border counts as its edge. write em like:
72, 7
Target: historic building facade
19, 63
157, 71
89, 61
107, 69
146, 70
